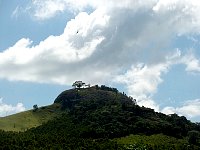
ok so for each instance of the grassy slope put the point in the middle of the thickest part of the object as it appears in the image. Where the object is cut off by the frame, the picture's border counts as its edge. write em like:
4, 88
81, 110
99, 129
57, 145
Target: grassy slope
28, 119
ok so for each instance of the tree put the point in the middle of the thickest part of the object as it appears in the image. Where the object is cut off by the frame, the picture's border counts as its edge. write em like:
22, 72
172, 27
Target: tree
78, 84
35, 107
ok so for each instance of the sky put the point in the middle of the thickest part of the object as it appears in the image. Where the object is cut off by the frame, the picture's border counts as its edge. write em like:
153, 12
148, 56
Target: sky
148, 49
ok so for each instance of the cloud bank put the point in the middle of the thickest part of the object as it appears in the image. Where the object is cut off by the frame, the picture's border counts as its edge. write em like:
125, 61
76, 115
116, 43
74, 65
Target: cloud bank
190, 109
126, 43
6, 109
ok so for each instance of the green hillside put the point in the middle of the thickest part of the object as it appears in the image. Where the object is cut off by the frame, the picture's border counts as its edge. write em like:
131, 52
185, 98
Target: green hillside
156, 141
99, 118
28, 119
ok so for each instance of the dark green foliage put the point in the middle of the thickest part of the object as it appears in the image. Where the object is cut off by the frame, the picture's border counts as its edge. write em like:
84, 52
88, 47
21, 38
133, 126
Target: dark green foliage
67, 95
157, 142
193, 137
110, 114
96, 117
105, 88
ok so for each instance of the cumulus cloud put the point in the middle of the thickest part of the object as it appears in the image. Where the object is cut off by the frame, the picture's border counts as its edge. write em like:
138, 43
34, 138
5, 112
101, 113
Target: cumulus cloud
6, 109
142, 82
192, 63
125, 42
190, 109
183, 14
47, 9
57, 58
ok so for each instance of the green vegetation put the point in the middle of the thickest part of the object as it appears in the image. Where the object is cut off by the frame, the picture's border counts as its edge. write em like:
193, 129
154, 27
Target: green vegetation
100, 118
28, 119
193, 137
156, 141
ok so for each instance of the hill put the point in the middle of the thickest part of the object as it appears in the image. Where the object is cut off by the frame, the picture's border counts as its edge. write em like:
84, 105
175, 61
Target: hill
110, 110
103, 118
29, 119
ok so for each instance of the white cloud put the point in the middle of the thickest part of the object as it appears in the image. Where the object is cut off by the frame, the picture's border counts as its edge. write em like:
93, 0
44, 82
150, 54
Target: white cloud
182, 14
142, 82
189, 109
56, 58
169, 110
48, 8
191, 62
6, 109
144, 78
16, 12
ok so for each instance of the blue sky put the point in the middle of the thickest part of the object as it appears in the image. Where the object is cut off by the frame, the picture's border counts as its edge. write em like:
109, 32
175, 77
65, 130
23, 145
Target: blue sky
150, 50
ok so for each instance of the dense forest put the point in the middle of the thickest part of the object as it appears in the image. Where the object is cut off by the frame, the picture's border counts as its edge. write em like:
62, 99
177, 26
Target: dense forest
101, 117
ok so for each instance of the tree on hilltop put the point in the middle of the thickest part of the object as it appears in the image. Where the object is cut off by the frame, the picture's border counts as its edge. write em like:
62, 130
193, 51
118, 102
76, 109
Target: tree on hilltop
35, 107
78, 84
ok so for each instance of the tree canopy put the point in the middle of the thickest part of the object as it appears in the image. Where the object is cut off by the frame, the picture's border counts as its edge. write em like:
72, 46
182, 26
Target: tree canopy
78, 84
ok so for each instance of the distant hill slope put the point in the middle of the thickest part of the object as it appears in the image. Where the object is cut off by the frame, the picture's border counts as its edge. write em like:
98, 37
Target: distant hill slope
28, 119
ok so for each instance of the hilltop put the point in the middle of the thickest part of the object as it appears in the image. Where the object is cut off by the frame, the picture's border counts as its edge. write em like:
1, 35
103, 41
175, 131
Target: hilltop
101, 117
